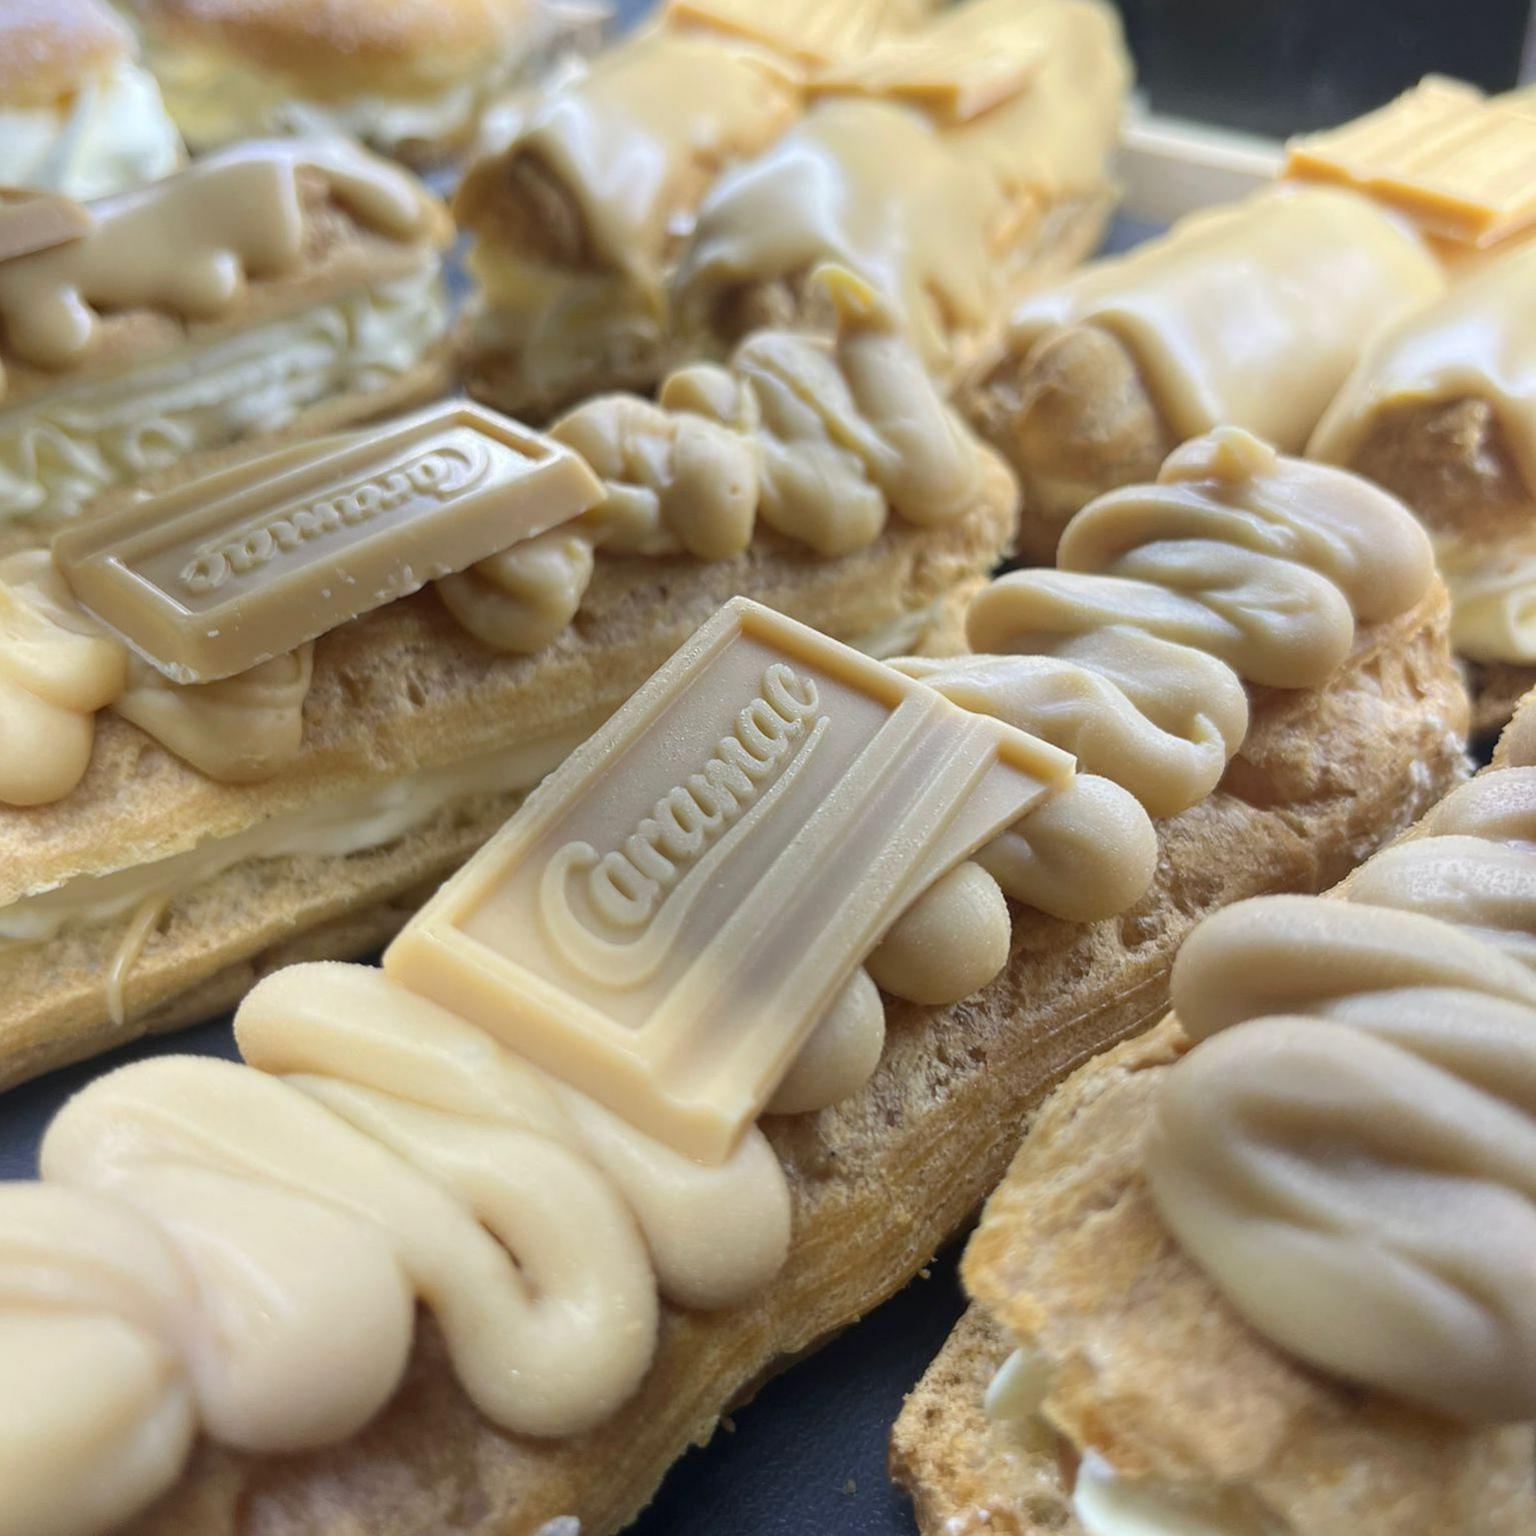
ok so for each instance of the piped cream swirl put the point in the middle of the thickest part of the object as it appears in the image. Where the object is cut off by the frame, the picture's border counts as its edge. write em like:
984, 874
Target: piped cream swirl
57, 669
1351, 1156
174, 1242
822, 440
1238, 565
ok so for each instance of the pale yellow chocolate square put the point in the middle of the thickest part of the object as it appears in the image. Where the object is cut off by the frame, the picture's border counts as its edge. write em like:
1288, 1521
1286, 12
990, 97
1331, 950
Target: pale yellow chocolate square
809, 32
669, 915
225, 572
974, 59
1459, 164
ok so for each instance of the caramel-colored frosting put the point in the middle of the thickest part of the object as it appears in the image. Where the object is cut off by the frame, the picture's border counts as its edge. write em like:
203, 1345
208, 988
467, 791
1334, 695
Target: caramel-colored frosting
1474, 348
57, 669
58, 666
1350, 1157
938, 216
633, 143
190, 245
1248, 315
237, 730
1237, 565
822, 438
1478, 340
576, 224
184, 1197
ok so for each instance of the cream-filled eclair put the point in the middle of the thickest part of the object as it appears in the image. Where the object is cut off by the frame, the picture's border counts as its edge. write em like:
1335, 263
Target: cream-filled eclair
576, 223
1263, 1269
410, 78
1442, 411
683, 192
281, 289
949, 167
231, 723
1250, 315
78, 115
703, 1054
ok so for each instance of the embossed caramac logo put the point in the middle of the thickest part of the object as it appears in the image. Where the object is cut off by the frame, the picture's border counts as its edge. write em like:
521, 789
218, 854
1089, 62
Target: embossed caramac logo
672, 911
433, 476
616, 914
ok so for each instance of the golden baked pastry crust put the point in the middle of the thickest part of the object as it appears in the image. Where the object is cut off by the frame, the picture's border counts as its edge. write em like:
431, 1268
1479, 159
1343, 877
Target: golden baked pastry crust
400, 689
1075, 1258
344, 47
49, 48
880, 1180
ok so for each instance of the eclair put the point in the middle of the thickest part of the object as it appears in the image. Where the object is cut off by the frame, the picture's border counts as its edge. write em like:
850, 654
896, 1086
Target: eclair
683, 193
950, 168
78, 114
266, 706
705, 1052
278, 290
1251, 314
1264, 1267
409, 79
1442, 411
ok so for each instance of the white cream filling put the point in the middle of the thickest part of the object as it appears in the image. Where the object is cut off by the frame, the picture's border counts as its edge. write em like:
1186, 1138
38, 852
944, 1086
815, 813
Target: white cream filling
1016, 1394
60, 451
1105, 1503
111, 134
362, 820
217, 100
1493, 598
1108, 1505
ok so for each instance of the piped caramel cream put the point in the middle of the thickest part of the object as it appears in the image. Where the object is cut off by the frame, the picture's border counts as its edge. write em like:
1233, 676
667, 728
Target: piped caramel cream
822, 438
189, 245
1347, 1151
1238, 565
56, 670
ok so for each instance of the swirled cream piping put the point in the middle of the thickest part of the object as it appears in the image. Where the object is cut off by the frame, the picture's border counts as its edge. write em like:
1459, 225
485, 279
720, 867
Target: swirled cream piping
164, 1279
58, 666
56, 670
1238, 564
1350, 1152
189, 245
821, 440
